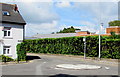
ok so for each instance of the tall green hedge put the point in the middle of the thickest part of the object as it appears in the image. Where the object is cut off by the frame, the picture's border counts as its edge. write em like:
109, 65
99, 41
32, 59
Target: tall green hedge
21, 52
73, 45
111, 48
70, 45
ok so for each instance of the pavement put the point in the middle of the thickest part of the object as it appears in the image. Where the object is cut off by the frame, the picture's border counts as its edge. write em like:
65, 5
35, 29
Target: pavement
47, 65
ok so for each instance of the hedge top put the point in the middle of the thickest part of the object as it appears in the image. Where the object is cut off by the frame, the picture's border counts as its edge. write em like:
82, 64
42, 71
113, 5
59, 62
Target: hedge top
114, 23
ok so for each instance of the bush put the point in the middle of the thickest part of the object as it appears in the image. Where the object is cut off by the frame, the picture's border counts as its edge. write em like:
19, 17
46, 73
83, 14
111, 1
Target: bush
21, 52
72, 45
4, 58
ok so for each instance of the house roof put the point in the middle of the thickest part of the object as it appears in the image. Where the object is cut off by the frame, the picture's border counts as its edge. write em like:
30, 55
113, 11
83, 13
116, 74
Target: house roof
59, 35
14, 17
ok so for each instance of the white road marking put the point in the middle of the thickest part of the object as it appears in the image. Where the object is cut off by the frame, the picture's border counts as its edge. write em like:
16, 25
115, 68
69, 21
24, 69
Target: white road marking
78, 66
107, 68
44, 62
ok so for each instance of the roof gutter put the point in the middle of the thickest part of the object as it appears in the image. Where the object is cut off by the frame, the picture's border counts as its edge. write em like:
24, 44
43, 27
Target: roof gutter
13, 22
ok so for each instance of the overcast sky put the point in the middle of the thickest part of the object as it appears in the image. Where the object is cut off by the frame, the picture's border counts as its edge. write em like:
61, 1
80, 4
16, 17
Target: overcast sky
52, 16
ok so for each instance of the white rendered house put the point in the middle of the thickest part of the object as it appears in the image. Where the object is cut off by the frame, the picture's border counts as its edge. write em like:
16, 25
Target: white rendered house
11, 29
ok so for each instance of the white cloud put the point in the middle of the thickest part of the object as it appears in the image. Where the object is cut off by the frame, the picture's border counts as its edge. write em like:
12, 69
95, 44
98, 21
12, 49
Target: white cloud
27, 1
91, 27
63, 4
88, 26
44, 20
58, 0
40, 17
100, 12
44, 28
37, 12
85, 26
95, 0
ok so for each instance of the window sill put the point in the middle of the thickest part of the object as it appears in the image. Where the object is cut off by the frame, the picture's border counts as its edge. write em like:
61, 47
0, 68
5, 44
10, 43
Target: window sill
8, 37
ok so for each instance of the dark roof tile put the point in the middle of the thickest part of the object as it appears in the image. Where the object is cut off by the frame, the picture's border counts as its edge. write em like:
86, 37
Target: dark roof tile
14, 17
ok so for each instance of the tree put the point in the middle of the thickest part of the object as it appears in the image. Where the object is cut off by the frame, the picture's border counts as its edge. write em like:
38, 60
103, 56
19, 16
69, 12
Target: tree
68, 30
113, 35
53, 33
114, 23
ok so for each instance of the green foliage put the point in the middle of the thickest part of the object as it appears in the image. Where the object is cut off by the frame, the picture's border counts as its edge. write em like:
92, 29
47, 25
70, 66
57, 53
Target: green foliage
68, 30
111, 37
4, 58
21, 52
114, 23
114, 36
92, 46
113, 48
73, 45
112, 33
53, 33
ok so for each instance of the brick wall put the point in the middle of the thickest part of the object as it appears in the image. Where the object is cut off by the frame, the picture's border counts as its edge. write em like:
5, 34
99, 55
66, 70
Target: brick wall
82, 33
113, 29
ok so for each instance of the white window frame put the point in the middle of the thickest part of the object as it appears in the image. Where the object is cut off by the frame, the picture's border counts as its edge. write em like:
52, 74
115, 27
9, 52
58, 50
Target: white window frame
7, 33
5, 50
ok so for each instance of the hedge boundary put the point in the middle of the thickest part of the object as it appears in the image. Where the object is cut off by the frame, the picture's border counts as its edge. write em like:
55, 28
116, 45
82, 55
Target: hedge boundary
110, 48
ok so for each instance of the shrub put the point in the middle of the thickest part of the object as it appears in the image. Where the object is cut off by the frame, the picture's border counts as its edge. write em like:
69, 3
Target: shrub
21, 52
4, 58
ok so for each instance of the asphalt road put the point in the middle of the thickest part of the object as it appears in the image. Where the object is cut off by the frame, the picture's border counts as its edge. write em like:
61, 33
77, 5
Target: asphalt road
46, 65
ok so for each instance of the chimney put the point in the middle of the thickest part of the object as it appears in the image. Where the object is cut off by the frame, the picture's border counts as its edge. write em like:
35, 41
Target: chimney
16, 8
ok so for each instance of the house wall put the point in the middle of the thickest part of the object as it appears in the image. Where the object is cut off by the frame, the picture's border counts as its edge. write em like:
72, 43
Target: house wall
17, 34
1, 46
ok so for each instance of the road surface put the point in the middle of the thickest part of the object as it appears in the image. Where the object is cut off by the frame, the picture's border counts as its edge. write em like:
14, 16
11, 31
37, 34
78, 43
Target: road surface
46, 65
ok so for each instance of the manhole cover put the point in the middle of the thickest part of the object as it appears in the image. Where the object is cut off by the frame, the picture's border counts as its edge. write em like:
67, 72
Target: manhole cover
77, 66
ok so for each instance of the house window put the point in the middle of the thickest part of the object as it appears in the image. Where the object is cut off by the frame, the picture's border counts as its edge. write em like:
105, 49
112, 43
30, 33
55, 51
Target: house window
6, 50
7, 31
6, 13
